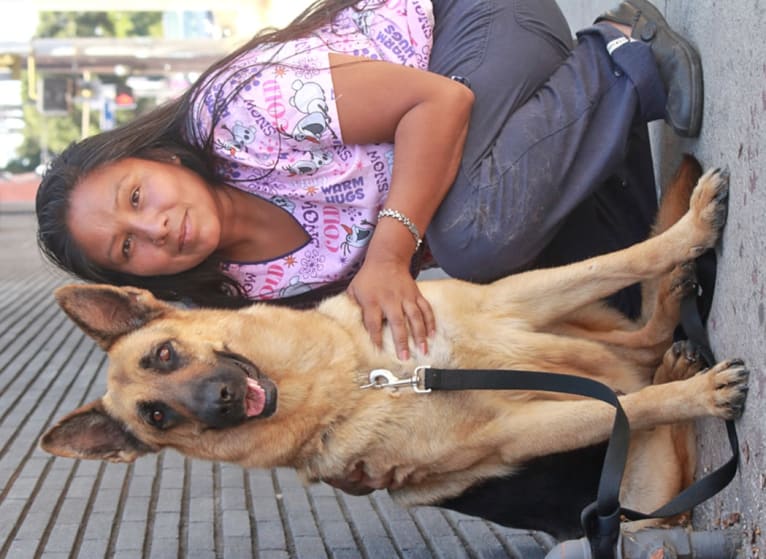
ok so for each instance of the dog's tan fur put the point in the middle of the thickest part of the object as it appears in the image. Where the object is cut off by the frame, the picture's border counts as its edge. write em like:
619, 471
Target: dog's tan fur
434, 446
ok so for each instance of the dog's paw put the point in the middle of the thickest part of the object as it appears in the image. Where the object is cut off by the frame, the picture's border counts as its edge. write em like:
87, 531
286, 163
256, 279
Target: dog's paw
727, 388
683, 280
708, 208
681, 361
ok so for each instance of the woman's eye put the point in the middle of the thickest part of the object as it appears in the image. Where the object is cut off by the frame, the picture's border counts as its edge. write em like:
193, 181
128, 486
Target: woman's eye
127, 244
135, 197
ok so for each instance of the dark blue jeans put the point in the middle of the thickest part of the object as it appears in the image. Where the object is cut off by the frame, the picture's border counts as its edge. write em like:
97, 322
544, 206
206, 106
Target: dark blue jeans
557, 165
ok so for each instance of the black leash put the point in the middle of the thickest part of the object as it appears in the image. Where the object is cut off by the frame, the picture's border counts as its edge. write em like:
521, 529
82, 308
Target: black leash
601, 519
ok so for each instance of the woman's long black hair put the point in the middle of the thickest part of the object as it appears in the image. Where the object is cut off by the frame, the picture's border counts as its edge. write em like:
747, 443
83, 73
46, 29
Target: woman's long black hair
159, 135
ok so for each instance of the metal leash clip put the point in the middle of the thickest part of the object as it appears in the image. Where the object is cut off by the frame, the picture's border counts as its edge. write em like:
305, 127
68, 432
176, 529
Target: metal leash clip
383, 378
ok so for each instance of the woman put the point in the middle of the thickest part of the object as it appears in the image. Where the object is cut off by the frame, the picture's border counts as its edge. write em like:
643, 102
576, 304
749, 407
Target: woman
314, 159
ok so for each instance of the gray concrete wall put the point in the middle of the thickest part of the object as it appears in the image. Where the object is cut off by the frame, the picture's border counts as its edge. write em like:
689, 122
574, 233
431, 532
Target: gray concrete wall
729, 36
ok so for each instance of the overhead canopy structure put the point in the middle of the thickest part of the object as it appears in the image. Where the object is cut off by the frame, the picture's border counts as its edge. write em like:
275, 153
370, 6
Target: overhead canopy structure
135, 55
142, 5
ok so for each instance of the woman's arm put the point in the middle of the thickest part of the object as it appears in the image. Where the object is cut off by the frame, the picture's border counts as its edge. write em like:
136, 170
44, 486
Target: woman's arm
426, 116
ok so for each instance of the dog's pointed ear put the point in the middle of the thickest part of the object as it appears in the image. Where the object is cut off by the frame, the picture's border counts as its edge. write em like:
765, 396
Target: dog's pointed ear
106, 312
90, 433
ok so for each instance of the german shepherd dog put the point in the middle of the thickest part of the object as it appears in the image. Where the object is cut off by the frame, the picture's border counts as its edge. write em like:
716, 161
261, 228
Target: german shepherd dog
269, 386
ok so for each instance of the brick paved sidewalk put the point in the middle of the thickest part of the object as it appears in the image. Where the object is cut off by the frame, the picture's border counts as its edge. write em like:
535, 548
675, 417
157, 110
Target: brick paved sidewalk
166, 506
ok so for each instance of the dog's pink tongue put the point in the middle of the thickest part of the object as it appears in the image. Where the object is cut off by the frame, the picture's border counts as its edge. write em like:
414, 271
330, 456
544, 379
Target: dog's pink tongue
256, 398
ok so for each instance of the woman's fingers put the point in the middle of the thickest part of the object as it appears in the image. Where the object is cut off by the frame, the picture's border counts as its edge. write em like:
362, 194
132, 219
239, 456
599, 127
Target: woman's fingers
416, 320
397, 322
372, 317
394, 301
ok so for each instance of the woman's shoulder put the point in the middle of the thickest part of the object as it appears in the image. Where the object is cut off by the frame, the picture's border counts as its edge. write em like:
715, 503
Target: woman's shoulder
397, 31
283, 93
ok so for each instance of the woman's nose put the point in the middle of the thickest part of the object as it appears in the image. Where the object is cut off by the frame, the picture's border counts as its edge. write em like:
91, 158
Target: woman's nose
154, 230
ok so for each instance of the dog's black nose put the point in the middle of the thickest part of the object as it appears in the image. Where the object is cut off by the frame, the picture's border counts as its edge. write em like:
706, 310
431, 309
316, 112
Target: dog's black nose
219, 401
226, 394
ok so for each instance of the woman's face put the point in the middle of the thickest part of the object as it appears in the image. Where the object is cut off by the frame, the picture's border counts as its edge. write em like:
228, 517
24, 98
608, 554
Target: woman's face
144, 217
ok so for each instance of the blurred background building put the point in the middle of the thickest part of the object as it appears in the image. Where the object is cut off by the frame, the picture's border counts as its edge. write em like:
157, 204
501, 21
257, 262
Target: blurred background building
70, 68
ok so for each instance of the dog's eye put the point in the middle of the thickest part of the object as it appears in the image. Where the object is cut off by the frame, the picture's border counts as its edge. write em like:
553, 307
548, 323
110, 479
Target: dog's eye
162, 358
165, 353
157, 417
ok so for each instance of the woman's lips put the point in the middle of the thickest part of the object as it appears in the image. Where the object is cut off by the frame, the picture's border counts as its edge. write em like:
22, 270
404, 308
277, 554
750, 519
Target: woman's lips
184, 232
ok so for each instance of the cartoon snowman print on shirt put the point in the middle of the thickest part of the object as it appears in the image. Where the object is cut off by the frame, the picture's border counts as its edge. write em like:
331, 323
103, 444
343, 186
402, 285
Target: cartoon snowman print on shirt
309, 98
241, 136
357, 236
316, 159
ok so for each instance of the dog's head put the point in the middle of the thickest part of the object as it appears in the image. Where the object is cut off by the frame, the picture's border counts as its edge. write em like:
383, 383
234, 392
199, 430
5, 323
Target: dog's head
172, 380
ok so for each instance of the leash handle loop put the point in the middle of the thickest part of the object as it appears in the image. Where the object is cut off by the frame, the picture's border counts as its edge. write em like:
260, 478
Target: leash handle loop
602, 531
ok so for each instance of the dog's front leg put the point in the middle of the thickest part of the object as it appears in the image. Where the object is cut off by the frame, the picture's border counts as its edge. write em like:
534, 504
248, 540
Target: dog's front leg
541, 428
548, 294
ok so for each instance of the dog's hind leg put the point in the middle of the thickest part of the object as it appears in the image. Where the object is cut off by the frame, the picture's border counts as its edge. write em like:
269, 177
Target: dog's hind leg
674, 203
656, 334
666, 311
661, 296
660, 465
544, 296
662, 461
681, 361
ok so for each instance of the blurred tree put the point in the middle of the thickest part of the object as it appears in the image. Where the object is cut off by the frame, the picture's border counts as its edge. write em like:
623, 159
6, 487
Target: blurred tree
137, 24
66, 25
53, 133
99, 24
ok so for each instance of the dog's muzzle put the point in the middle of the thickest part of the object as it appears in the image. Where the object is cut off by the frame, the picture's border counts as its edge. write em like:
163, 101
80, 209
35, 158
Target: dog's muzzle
234, 393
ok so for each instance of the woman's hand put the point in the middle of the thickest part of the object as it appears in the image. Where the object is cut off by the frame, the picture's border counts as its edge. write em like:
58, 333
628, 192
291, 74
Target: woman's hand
385, 290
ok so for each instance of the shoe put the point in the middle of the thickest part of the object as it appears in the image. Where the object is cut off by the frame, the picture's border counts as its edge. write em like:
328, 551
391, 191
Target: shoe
678, 62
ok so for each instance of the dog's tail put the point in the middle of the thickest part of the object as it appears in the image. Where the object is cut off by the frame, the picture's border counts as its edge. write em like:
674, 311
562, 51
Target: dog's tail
674, 201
